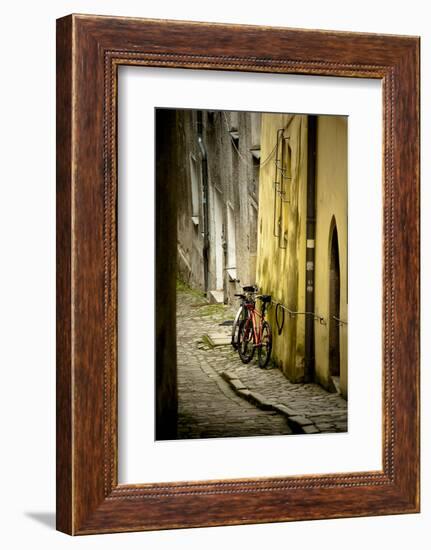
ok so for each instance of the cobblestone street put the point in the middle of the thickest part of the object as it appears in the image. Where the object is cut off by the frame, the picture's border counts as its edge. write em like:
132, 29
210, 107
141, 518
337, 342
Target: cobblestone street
219, 396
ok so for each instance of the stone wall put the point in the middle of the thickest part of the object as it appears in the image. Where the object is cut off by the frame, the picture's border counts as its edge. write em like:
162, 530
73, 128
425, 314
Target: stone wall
232, 143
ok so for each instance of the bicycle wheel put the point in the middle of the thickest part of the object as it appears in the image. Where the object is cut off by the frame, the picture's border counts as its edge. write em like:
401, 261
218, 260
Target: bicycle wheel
245, 341
264, 351
235, 327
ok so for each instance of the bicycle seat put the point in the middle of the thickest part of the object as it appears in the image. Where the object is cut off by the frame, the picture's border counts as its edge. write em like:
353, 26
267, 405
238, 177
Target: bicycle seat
249, 289
265, 298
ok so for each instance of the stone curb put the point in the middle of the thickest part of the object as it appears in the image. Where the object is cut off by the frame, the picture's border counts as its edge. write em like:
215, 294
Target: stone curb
298, 423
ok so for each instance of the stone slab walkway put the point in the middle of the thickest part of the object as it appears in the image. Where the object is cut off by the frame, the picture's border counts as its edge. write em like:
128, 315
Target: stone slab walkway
214, 386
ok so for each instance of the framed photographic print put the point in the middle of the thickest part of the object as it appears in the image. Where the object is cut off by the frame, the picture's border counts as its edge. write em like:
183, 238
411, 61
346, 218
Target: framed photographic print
237, 274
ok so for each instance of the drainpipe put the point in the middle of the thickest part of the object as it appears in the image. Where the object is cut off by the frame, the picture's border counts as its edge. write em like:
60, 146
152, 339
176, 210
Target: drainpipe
203, 151
310, 251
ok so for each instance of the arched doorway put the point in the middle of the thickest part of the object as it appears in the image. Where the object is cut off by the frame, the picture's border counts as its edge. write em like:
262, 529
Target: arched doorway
334, 308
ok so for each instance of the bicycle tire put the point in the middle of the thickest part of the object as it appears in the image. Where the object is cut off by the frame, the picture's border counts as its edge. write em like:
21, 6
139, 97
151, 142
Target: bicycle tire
245, 341
265, 348
235, 327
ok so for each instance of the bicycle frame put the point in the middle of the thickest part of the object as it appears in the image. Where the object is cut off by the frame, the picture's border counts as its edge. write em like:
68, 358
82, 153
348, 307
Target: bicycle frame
257, 323
242, 312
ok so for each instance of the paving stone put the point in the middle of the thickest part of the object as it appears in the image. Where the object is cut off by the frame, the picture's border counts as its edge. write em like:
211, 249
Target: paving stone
301, 420
311, 430
226, 375
217, 339
324, 427
237, 384
341, 426
288, 411
244, 393
261, 401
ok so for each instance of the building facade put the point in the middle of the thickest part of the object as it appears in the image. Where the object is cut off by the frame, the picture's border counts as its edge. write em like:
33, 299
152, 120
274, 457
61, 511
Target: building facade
218, 194
302, 245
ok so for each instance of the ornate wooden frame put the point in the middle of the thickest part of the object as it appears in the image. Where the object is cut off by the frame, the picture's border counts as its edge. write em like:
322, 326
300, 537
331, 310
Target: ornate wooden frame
89, 50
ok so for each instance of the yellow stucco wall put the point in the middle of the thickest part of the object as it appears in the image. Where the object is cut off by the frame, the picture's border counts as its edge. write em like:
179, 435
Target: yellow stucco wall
281, 259
280, 268
331, 207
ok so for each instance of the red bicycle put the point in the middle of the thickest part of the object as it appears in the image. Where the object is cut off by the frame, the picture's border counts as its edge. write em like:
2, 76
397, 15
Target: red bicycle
255, 332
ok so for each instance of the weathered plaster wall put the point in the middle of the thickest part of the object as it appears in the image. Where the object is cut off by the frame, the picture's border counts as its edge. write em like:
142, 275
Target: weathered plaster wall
281, 235
233, 188
190, 239
331, 203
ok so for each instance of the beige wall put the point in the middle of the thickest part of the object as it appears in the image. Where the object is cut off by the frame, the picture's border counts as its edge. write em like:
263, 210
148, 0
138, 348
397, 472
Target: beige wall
280, 269
331, 206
